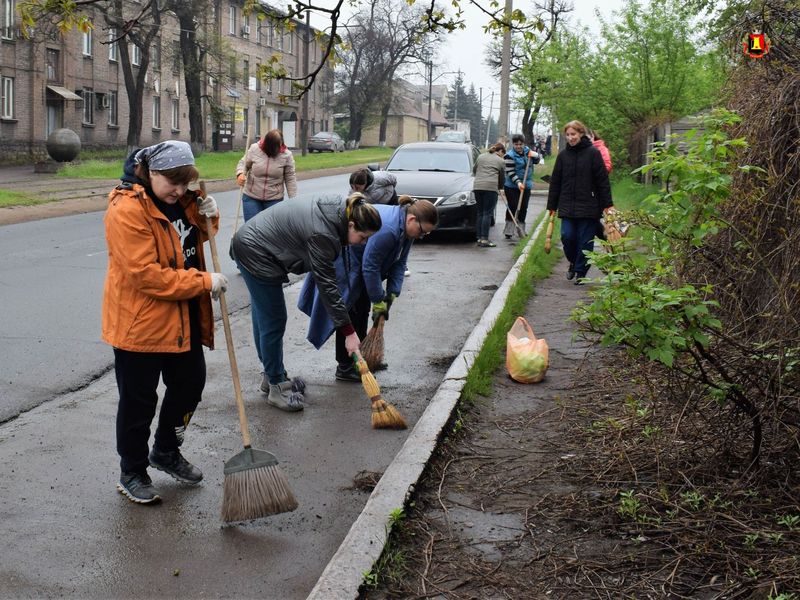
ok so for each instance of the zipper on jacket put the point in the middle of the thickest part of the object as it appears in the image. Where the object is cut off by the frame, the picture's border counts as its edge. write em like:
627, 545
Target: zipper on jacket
174, 264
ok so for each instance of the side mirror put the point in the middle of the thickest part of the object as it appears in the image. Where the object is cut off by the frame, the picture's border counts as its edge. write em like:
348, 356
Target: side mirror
374, 167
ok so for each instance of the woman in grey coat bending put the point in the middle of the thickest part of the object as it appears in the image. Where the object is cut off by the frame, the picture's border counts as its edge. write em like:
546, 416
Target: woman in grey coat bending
299, 237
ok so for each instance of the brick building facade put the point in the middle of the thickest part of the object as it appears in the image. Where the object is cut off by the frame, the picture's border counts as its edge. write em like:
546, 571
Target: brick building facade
75, 80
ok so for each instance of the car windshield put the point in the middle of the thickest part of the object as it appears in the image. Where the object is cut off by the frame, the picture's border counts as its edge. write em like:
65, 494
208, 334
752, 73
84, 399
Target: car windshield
453, 136
322, 136
430, 159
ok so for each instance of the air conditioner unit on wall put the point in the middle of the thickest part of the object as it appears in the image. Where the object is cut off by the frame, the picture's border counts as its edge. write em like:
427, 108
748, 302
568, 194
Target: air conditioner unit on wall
245, 29
262, 101
105, 101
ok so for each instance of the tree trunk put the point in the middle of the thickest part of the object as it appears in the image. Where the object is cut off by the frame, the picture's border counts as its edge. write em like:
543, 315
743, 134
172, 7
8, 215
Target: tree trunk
193, 78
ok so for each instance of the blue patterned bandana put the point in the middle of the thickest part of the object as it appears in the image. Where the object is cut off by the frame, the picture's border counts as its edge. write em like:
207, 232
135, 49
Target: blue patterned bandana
166, 155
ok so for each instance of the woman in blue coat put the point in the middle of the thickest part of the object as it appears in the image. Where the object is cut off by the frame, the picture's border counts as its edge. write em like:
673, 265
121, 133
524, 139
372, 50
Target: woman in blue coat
361, 271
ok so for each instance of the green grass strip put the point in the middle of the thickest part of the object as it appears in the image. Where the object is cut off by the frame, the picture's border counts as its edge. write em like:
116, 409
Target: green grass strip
537, 266
11, 198
222, 165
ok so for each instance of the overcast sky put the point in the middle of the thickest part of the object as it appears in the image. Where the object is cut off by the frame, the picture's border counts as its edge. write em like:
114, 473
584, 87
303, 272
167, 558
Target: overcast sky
466, 49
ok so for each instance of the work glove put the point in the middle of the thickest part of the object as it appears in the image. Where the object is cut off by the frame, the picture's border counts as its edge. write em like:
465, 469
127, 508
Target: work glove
389, 298
521, 186
352, 344
532, 154
208, 207
219, 284
241, 178
378, 309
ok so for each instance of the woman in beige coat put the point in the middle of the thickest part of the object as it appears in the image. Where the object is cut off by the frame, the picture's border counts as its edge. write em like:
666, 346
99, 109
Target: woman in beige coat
264, 171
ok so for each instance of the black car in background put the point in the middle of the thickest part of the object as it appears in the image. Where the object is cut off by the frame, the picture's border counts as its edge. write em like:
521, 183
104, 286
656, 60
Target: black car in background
442, 173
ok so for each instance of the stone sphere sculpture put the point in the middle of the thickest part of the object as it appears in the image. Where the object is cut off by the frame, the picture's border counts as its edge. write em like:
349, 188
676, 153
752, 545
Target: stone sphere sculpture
63, 145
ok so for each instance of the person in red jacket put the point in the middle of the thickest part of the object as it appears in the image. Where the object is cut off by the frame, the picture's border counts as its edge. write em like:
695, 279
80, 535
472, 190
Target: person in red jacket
157, 310
600, 145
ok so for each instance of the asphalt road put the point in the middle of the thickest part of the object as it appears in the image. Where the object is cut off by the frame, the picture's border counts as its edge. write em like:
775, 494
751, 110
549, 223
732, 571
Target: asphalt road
67, 532
51, 284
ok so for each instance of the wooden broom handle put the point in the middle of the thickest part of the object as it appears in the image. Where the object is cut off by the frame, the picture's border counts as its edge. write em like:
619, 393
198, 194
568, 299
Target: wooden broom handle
549, 235
223, 305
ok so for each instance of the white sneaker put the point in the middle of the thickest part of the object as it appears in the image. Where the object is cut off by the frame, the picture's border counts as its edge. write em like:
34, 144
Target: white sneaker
407, 273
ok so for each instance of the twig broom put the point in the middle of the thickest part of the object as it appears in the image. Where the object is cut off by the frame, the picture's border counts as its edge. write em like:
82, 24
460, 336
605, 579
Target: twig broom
372, 348
384, 415
254, 484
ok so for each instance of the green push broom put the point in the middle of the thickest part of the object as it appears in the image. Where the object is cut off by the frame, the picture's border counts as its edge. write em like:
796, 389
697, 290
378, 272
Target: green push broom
254, 485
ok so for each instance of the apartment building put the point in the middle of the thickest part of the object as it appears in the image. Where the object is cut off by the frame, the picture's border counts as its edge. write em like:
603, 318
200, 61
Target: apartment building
75, 80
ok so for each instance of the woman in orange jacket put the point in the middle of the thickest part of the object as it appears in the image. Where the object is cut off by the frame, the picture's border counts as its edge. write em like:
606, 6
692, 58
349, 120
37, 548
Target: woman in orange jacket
157, 311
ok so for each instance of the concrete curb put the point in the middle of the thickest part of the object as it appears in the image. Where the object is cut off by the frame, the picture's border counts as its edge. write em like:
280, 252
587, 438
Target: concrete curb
364, 543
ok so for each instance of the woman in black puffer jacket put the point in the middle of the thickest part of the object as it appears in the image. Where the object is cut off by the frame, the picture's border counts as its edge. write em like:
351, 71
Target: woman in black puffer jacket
581, 193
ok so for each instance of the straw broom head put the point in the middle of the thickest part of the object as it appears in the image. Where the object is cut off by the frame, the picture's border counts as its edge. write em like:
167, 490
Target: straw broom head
255, 487
384, 415
372, 348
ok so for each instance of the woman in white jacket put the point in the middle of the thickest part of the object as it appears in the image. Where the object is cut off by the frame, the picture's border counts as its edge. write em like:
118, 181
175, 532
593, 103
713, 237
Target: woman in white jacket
264, 171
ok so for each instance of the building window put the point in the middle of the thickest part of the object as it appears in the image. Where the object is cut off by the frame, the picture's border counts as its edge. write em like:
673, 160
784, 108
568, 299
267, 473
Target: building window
7, 92
9, 11
87, 42
233, 70
88, 106
156, 112
155, 55
279, 38
245, 120
112, 45
53, 60
290, 42
232, 19
258, 122
136, 55
258, 77
245, 26
270, 34
176, 114
113, 108
246, 74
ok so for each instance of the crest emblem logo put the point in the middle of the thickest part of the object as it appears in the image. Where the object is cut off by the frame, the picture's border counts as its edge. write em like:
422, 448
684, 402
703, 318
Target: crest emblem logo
756, 45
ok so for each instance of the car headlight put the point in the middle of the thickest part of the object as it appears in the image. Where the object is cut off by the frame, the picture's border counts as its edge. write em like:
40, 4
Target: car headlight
466, 197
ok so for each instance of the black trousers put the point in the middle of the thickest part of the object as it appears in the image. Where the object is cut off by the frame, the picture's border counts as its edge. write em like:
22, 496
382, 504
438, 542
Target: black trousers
359, 317
512, 197
184, 376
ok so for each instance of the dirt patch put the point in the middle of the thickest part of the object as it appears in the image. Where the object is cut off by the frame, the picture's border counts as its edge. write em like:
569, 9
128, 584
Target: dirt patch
571, 488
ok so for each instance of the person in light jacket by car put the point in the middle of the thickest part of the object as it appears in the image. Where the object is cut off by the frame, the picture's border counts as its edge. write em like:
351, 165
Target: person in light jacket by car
304, 236
489, 177
265, 170
377, 187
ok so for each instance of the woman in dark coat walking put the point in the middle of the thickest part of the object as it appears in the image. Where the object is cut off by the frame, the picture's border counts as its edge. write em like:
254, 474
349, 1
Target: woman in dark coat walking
580, 192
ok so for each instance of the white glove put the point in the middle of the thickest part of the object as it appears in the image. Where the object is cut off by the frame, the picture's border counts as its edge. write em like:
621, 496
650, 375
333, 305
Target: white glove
219, 284
208, 207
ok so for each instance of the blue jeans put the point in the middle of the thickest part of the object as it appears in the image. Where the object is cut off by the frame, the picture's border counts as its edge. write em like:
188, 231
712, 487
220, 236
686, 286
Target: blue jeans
268, 312
486, 201
577, 237
251, 207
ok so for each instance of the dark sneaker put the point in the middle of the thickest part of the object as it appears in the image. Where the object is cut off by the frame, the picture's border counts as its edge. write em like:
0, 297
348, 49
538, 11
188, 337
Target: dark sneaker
348, 373
138, 488
570, 272
173, 463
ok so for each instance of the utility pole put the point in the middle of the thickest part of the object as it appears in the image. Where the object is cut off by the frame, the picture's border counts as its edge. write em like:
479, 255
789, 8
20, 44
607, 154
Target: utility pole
430, 94
489, 120
480, 120
304, 109
505, 72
